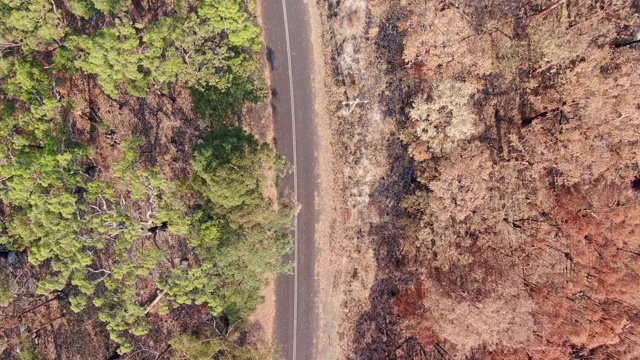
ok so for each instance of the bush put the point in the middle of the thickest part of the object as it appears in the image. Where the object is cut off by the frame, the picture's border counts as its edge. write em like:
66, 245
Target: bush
445, 120
197, 347
29, 353
229, 166
216, 105
8, 288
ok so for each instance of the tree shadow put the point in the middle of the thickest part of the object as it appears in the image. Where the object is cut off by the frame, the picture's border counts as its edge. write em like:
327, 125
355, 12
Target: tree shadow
167, 129
147, 127
274, 99
377, 333
271, 58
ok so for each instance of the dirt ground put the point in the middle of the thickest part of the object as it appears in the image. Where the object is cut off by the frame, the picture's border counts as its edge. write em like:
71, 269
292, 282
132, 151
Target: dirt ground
328, 228
485, 177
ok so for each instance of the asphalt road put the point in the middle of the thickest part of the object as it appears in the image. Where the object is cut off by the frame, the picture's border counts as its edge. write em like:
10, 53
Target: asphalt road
289, 50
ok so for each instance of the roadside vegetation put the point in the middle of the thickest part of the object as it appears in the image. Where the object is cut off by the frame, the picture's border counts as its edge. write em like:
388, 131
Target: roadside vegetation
128, 188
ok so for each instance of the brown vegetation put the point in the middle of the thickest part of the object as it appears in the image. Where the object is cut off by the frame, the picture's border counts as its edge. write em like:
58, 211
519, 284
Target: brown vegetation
518, 237
526, 230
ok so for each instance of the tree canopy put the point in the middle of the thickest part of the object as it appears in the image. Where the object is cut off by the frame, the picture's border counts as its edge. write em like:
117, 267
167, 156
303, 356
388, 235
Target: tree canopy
102, 231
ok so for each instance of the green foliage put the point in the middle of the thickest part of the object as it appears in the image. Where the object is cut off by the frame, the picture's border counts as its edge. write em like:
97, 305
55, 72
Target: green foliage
231, 272
212, 49
30, 85
119, 306
88, 8
29, 24
29, 353
78, 302
83, 8
8, 288
30, 82
39, 188
164, 309
55, 225
111, 5
217, 105
229, 165
111, 54
238, 238
229, 17
101, 238
221, 61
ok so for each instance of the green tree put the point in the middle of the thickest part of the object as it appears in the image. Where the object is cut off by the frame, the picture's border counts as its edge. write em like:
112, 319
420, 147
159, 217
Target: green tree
231, 17
88, 8
111, 54
229, 165
29, 25
218, 43
216, 105
238, 239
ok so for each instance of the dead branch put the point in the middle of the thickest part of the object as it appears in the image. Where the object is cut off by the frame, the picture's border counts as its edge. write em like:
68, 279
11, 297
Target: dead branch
99, 270
38, 306
621, 43
163, 352
550, 7
48, 323
155, 302
352, 104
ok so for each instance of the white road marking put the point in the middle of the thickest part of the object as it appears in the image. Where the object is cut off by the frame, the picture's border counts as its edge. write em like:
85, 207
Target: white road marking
295, 184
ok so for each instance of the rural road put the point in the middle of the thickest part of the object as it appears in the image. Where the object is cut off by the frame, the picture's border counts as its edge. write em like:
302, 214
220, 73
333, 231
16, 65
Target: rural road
289, 50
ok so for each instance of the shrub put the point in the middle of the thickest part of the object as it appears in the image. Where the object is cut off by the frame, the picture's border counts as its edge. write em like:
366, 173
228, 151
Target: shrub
444, 121
8, 288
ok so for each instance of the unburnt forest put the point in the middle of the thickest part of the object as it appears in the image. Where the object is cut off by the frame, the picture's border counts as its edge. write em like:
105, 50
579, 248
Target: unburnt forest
136, 215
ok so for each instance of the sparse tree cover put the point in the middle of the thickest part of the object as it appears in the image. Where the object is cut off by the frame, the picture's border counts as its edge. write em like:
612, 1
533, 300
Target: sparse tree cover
104, 237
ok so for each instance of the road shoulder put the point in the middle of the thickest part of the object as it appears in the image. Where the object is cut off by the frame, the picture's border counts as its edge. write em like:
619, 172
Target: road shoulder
328, 303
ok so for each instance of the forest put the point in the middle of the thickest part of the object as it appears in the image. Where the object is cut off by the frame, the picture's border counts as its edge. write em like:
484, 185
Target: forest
137, 212
492, 180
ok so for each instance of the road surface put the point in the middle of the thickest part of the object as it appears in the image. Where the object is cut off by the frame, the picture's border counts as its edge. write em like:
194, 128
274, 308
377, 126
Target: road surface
289, 49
